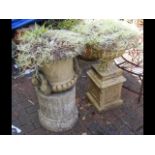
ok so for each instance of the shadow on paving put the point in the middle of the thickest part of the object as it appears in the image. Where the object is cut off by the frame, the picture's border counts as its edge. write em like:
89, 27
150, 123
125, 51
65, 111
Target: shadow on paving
125, 120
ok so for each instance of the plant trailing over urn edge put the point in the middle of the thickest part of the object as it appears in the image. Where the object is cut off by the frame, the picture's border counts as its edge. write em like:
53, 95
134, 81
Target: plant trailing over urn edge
51, 46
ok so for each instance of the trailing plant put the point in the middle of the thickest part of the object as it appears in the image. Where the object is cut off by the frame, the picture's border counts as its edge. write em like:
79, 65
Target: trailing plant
48, 47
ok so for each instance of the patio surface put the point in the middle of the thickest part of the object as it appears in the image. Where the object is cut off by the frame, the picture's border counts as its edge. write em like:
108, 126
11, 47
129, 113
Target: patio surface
124, 120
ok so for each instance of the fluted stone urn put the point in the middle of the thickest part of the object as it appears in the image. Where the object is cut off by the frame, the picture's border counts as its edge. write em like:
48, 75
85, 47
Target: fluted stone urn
52, 54
61, 75
105, 82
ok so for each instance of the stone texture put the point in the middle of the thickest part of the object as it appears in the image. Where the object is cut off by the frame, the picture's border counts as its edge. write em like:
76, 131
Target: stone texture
58, 111
105, 87
59, 71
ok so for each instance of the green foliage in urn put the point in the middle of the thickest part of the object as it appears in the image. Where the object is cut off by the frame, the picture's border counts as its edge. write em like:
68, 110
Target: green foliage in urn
34, 33
89, 30
118, 36
48, 46
68, 24
108, 35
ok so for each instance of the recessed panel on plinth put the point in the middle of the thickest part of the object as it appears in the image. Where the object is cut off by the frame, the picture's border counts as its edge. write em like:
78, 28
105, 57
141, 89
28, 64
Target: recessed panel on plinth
58, 111
105, 87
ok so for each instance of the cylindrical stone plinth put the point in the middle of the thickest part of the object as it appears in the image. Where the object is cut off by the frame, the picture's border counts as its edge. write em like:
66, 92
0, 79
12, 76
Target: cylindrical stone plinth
58, 112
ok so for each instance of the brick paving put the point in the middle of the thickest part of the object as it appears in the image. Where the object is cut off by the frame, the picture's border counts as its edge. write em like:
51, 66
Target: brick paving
124, 120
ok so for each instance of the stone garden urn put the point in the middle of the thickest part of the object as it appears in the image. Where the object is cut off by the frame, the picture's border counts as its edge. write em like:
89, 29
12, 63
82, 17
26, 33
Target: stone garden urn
112, 37
53, 56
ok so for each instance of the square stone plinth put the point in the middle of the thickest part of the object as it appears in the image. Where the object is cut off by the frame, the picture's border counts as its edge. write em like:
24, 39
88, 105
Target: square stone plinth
105, 87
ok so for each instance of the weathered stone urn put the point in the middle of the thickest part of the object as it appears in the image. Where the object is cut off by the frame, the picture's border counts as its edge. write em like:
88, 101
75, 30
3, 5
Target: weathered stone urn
56, 95
105, 83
